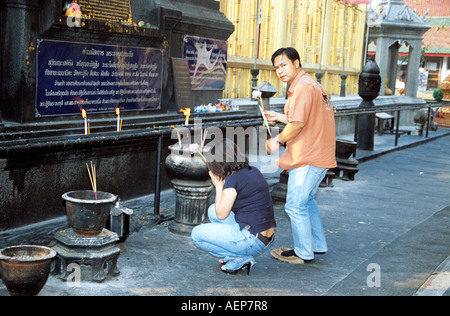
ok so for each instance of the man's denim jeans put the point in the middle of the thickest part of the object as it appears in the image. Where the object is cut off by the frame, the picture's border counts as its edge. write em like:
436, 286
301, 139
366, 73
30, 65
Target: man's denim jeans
301, 206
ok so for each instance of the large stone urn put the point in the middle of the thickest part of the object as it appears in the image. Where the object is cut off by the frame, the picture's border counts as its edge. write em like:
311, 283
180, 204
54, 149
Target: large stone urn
192, 185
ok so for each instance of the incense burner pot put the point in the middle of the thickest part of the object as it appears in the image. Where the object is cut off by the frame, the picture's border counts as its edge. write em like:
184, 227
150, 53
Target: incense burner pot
192, 185
184, 165
86, 215
25, 269
344, 148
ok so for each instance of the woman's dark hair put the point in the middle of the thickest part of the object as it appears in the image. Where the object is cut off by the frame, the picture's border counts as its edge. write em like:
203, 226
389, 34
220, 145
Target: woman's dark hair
232, 160
290, 52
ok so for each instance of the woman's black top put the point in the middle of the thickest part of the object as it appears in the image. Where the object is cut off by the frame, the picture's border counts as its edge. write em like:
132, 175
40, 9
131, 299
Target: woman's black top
253, 205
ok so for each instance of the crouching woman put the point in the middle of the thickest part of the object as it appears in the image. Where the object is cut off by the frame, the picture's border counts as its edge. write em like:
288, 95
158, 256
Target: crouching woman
242, 219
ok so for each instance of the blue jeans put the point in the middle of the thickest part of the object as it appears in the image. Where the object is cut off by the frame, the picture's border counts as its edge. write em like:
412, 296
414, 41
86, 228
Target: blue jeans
224, 238
302, 209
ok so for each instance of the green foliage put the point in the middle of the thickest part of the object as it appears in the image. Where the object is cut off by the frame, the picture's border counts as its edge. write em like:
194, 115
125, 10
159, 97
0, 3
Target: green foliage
438, 94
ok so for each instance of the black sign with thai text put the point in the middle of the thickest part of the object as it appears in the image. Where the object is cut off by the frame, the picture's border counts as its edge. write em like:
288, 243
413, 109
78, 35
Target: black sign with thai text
97, 78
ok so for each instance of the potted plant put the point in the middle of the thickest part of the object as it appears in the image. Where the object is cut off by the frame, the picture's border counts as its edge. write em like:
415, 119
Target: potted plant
438, 95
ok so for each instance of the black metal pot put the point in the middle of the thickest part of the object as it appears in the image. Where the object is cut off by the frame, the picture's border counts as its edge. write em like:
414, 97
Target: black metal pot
344, 148
88, 216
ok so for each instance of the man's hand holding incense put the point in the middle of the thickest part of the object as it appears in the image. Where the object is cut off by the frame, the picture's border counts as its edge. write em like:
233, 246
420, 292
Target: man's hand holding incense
273, 116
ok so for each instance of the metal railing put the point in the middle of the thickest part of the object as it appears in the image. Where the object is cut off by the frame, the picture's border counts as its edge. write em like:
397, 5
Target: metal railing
391, 108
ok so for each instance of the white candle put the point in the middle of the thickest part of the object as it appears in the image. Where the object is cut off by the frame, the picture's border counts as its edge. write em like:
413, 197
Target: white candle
118, 119
83, 115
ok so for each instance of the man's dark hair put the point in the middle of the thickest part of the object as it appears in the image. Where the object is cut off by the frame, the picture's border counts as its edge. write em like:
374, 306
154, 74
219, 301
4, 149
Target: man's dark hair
290, 52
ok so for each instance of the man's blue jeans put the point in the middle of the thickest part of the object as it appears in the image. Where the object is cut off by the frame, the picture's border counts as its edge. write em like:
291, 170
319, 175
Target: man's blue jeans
301, 206
224, 238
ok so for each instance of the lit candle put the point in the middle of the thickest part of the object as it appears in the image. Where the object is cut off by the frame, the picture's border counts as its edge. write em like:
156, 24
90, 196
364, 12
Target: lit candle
118, 119
83, 115
187, 113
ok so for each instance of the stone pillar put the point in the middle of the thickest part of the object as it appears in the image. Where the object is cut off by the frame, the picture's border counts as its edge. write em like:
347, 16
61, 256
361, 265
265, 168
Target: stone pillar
369, 87
412, 76
19, 27
392, 67
382, 58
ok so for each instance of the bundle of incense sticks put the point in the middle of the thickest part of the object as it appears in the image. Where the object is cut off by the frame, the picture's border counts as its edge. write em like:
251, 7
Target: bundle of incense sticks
93, 178
203, 134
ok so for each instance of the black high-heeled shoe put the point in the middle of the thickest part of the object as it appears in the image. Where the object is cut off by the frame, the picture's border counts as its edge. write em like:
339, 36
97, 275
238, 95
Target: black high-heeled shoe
247, 266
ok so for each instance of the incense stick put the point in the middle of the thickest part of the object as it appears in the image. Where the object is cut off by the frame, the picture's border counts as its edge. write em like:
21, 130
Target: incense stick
256, 94
203, 138
265, 120
178, 134
93, 178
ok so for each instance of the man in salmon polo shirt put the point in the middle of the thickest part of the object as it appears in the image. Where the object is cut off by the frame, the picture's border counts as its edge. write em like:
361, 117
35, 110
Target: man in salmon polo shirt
310, 139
